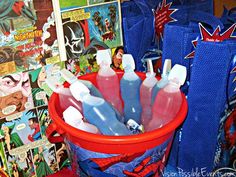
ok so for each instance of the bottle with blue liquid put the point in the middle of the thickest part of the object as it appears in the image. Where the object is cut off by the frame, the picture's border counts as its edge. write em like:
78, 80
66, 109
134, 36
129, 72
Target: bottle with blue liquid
107, 80
74, 118
70, 78
130, 87
164, 79
98, 112
146, 94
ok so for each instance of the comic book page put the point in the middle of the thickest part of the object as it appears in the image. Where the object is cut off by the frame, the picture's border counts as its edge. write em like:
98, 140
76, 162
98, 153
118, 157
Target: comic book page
89, 28
24, 146
24, 118
28, 37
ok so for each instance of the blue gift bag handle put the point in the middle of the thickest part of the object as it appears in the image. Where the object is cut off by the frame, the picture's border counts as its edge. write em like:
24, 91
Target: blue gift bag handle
199, 16
141, 4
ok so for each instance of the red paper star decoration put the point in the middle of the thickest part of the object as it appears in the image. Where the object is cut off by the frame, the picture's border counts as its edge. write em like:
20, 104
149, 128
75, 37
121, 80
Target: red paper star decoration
163, 16
191, 55
214, 37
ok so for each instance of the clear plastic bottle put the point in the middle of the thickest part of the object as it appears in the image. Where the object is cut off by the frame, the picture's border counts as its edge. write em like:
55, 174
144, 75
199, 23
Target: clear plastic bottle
70, 78
66, 99
74, 118
130, 88
107, 80
164, 79
168, 100
146, 94
98, 112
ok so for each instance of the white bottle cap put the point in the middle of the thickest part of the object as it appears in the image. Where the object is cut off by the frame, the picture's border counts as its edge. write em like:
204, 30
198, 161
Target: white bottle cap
53, 84
150, 71
78, 90
178, 73
68, 76
72, 116
166, 67
128, 62
104, 56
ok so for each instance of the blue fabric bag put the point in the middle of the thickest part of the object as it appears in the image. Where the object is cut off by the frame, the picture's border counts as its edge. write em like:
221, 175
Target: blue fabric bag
210, 92
178, 37
138, 24
138, 29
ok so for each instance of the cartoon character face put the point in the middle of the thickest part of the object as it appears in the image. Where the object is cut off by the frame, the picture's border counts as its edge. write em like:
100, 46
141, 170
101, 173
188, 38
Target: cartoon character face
42, 77
117, 58
74, 39
15, 82
17, 99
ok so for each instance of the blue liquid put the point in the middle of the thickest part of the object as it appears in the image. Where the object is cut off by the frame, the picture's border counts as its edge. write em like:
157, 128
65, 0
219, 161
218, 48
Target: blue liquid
93, 90
100, 113
130, 86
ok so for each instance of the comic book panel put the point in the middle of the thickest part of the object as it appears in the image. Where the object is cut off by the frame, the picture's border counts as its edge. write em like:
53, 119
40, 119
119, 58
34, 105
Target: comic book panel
15, 94
98, 1
85, 64
21, 165
90, 29
37, 82
3, 162
65, 4
44, 159
27, 35
62, 155
40, 90
117, 55
44, 119
20, 131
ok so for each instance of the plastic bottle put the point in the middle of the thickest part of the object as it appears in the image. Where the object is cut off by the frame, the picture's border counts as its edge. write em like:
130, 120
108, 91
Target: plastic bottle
66, 99
70, 78
168, 100
164, 79
107, 80
98, 112
74, 118
130, 87
146, 94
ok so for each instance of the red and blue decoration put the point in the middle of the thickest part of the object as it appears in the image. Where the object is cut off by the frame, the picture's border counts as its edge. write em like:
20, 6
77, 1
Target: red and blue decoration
163, 16
216, 36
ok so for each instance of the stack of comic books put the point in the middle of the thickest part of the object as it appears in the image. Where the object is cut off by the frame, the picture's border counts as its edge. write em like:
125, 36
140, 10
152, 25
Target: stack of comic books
37, 39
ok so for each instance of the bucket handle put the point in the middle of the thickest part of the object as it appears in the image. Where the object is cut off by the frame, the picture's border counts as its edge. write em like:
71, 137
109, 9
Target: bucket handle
50, 131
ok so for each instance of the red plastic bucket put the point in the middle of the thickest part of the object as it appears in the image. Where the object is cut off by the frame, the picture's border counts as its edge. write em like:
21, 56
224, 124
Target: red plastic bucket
100, 156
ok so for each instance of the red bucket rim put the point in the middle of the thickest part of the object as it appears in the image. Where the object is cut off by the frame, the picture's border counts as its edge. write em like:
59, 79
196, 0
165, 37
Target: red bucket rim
114, 140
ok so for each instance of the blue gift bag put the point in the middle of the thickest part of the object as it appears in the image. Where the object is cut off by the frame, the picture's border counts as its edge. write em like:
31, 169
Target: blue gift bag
211, 92
138, 29
178, 38
138, 23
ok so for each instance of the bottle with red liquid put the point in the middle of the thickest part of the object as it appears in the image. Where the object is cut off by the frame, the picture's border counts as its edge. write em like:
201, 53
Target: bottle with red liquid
168, 100
107, 80
66, 98
146, 94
